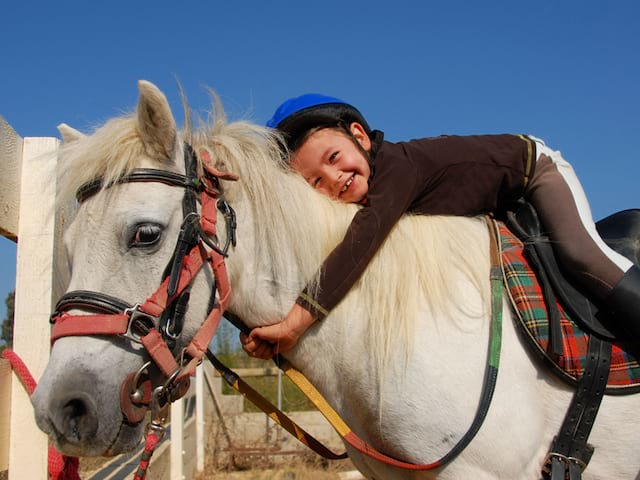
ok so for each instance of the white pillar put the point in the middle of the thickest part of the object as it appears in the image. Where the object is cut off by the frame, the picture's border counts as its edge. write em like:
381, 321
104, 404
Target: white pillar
33, 303
177, 439
200, 418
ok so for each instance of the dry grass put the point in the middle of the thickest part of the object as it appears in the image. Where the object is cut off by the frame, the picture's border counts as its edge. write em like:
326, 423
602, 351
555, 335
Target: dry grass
263, 461
310, 468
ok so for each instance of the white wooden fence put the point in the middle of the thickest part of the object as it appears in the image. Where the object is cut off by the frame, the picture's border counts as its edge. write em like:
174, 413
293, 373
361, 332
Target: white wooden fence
27, 196
28, 216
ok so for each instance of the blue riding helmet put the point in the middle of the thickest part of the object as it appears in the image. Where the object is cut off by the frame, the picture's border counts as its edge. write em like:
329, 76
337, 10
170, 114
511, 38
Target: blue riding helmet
296, 116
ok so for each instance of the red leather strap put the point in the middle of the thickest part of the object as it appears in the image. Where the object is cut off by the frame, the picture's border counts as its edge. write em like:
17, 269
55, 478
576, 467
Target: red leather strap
191, 265
159, 352
209, 214
66, 325
200, 341
222, 279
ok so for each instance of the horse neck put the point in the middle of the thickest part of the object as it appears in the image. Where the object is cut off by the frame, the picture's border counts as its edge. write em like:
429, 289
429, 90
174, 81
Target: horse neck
284, 235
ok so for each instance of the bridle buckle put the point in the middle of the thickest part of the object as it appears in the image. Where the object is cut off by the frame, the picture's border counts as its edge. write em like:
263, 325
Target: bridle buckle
140, 324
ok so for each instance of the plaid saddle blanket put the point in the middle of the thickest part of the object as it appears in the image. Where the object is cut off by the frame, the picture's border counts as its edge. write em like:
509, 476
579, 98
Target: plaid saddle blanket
527, 299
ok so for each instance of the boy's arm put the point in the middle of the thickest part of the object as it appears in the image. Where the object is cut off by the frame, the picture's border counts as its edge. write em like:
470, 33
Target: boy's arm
339, 275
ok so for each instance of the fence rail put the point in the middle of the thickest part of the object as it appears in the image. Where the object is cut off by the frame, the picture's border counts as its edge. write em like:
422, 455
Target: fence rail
11, 161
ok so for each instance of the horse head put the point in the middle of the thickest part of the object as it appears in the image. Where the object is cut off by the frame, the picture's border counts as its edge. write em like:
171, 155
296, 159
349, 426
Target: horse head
145, 258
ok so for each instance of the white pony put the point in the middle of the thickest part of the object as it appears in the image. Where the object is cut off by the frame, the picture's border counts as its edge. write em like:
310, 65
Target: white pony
401, 358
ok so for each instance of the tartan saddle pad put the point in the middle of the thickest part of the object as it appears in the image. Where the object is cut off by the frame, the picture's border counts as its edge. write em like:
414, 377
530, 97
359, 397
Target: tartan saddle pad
528, 301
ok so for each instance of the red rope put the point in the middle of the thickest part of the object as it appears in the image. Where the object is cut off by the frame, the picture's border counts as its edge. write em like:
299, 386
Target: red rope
149, 446
21, 370
60, 467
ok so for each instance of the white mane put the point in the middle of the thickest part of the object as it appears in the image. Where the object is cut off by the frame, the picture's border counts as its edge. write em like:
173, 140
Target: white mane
435, 249
297, 226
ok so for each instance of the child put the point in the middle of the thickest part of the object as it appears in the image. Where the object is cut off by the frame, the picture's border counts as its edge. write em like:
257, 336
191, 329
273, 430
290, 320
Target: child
334, 149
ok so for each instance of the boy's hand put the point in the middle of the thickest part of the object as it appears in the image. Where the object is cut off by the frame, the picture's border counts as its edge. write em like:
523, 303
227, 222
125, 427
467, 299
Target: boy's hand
265, 342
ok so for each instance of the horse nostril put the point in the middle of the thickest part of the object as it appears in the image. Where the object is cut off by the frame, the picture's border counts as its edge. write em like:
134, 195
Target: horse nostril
77, 419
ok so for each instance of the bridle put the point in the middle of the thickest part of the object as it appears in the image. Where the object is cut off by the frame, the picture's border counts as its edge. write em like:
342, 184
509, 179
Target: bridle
156, 323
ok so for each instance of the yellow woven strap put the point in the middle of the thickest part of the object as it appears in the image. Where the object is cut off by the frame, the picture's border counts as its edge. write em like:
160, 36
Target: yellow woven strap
314, 396
338, 424
234, 380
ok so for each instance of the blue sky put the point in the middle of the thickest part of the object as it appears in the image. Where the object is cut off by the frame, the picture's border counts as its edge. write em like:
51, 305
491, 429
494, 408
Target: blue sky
566, 71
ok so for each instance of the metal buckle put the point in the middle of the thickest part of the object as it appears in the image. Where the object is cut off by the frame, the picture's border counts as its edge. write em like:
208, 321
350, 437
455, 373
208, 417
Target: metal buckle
140, 323
168, 330
229, 215
135, 393
546, 466
158, 411
578, 462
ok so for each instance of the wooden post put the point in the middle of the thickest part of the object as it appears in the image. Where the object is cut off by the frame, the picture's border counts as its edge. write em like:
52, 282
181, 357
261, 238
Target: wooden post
177, 439
11, 164
200, 418
33, 302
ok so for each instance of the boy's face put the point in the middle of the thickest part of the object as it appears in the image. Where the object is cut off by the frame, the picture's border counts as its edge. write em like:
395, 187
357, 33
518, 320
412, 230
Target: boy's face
330, 162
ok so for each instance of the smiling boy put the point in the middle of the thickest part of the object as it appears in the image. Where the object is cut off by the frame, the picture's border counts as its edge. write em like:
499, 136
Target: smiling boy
333, 148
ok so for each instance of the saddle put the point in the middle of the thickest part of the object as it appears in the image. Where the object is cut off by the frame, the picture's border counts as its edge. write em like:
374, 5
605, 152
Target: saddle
556, 315
570, 331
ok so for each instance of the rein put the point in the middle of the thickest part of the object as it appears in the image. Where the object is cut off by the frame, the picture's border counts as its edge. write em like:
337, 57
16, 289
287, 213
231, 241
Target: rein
345, 432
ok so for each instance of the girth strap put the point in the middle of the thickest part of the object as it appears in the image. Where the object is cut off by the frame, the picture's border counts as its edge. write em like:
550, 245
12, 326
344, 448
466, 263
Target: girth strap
570, 452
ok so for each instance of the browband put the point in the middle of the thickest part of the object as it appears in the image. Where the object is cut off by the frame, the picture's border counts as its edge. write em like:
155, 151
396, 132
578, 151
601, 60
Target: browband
138, 175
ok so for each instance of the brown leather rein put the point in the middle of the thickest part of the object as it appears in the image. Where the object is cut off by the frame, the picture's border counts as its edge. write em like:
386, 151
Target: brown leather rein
156, 323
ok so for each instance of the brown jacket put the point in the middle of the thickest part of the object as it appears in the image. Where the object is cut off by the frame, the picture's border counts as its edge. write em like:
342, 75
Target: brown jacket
448, 175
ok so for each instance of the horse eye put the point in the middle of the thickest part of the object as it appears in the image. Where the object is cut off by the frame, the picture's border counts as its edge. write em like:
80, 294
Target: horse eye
145, 235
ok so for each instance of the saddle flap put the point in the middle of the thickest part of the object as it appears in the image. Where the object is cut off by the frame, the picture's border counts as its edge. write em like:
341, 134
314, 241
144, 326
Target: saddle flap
524, 222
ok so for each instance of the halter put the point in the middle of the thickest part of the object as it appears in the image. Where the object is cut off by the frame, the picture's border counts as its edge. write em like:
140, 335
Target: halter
156, 324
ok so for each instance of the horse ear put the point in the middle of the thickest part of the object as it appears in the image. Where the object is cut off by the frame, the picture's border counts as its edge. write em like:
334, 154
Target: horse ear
155, 121
68, 133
